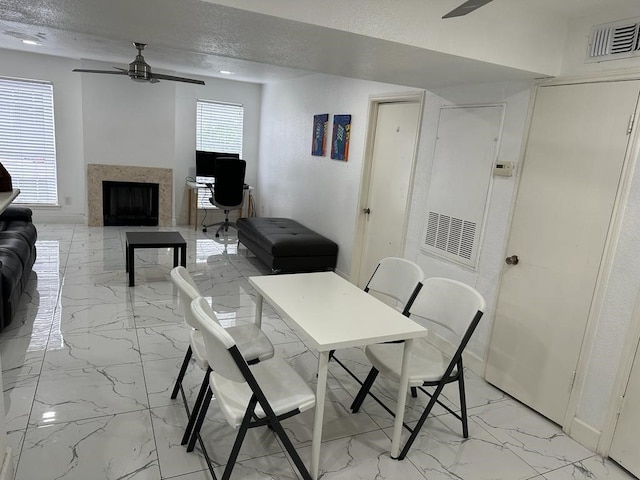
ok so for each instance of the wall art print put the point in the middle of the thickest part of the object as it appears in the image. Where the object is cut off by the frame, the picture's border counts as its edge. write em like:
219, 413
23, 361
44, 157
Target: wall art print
340, 137
319, 142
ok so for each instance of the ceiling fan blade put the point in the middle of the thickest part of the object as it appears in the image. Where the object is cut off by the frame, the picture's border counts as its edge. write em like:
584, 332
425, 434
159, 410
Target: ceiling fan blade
467, 7
123, 72
160, 76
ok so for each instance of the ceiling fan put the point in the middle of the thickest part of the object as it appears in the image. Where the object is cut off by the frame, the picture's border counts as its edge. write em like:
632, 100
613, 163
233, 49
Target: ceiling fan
467, 7
140, 71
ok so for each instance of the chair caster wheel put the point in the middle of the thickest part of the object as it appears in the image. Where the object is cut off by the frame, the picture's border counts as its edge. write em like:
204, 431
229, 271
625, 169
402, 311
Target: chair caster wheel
204, 230
217, 235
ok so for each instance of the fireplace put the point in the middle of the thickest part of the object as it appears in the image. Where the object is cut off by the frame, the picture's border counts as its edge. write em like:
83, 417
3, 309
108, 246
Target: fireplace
98, 173
130, 203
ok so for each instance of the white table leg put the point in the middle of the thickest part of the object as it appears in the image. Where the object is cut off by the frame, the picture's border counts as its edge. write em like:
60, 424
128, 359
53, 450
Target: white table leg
259, 310
402, 399
321, 390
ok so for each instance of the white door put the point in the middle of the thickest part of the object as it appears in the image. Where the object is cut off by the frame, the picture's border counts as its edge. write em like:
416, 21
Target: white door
624, 448
572, 167
394, 149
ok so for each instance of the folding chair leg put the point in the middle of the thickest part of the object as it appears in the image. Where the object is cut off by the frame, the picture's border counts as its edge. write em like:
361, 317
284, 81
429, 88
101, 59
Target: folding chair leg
463, 401
242, 432
201, 414
290, 449
423, 418
364, 390
183, 370
196, 407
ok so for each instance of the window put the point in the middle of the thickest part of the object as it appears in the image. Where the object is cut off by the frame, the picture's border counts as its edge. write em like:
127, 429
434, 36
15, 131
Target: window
219, 128
27, 139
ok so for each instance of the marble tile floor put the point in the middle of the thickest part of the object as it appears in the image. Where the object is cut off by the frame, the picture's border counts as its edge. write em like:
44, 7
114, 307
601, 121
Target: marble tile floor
88, 365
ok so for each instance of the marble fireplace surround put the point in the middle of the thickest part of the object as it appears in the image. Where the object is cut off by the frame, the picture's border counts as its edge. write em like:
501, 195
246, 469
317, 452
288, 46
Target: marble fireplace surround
96, 173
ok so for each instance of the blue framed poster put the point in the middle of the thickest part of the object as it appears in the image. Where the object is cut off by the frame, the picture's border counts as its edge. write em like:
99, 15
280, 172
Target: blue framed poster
340, 137
319, 142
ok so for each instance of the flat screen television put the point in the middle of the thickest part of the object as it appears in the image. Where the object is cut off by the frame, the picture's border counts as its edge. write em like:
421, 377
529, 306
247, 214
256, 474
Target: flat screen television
206, 162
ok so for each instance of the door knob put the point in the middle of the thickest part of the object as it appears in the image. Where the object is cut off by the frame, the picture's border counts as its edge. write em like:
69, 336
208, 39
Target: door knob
512, 260
366, 210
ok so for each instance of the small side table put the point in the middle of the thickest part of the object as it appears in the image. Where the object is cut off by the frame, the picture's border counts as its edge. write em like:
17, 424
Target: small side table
154, 240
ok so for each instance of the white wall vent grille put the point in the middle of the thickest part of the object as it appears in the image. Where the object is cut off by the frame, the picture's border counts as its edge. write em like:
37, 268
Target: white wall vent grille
451, 235
614, 40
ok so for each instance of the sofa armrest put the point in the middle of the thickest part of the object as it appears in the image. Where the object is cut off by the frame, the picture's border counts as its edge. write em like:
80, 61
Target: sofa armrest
14, 212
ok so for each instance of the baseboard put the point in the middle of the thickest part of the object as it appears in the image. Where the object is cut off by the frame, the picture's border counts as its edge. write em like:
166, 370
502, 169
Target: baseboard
7, 472
342, 274
584, 434
44, 216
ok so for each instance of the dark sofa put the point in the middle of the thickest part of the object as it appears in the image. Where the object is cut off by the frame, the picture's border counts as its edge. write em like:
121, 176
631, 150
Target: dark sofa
285, 245
18, 238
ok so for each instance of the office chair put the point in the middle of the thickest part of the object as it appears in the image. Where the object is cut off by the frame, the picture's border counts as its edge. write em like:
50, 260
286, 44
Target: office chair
228, 192
456, 307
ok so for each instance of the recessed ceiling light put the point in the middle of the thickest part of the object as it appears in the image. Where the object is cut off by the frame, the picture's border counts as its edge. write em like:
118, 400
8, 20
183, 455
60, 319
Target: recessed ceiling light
30, 42
226, 72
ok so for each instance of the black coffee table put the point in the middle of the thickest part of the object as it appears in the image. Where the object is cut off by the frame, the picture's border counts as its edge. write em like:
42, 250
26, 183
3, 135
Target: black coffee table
154, 240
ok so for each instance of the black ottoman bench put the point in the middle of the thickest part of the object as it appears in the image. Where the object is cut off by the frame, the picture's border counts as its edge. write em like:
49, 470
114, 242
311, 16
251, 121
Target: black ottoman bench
284, 245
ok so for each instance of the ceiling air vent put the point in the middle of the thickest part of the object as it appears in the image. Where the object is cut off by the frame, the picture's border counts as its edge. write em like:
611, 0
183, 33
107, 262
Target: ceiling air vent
614, 40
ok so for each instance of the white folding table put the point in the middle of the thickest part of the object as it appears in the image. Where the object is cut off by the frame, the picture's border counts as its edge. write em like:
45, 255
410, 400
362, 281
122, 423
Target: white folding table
331, 313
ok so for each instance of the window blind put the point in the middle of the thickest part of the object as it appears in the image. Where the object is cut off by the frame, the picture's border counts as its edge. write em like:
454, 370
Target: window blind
219, 128
27, 139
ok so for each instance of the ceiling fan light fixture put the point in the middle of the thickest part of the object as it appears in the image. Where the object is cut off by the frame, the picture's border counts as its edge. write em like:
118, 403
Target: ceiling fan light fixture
140, 71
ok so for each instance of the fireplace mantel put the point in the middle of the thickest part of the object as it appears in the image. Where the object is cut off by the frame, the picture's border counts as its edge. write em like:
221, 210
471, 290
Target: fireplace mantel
96, 173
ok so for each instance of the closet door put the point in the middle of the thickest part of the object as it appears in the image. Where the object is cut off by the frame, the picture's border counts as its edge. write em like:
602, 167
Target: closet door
570, 177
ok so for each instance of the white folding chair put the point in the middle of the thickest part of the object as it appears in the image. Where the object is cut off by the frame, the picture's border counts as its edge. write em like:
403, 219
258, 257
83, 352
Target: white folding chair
456, 307
398, 280
249, 396
251, 340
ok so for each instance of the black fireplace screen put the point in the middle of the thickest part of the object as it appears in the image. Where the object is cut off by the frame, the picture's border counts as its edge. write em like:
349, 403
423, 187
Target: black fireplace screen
130, 203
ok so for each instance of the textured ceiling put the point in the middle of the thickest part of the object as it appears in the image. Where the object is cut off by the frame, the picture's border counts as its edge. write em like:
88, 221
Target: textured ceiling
201, 38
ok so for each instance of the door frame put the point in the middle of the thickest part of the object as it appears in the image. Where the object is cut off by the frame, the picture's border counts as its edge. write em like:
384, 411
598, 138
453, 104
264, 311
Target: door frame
585, 434
365, 180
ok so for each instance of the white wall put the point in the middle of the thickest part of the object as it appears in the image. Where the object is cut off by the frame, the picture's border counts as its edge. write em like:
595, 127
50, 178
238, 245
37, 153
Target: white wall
126, 122
113, 120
